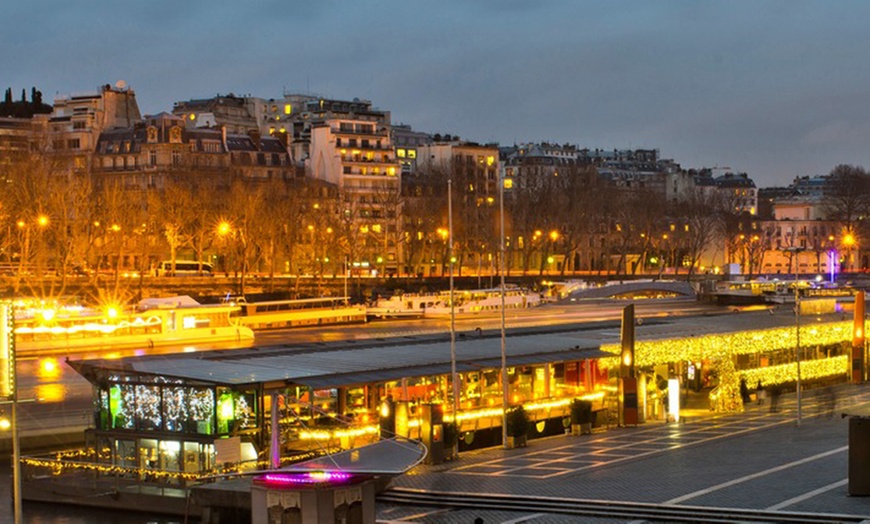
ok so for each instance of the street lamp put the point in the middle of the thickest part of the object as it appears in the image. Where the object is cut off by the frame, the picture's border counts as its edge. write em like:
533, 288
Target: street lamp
848, 243
443, 233
797, 322
453, 375
501, 270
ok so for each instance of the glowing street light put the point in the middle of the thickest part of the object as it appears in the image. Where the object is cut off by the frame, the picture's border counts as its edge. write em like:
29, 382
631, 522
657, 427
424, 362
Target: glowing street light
848, 242
224, 228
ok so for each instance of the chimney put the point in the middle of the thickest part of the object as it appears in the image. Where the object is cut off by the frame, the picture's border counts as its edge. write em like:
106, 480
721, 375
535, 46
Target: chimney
224, 137
255, 137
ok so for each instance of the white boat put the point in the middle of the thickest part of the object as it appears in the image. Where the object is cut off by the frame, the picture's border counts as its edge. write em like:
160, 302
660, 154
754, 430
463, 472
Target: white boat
466, 302
180, 320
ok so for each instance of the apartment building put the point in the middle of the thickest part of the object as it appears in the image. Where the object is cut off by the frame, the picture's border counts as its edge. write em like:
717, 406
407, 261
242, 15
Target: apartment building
474, 171
78, 120
146, 155
348, 144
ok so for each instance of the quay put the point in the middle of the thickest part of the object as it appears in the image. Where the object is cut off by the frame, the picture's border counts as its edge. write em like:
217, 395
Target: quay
752, 466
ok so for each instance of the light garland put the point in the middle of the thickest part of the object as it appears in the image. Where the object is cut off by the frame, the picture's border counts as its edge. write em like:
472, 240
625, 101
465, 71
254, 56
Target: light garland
90, 327
722, 348
810, 370
651, 352
61, 464
324, 435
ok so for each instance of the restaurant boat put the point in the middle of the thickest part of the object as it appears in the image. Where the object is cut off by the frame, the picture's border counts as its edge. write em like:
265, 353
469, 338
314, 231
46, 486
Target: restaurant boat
47, 328
466, 301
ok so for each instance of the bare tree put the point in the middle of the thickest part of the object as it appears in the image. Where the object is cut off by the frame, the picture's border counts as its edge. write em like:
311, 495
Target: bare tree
702, 227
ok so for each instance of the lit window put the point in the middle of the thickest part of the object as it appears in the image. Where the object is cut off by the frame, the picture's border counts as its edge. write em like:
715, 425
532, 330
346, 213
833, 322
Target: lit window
490, 160
192, 116
376, 228
508, 183
412, 153
391, 171
288, 109
400, 153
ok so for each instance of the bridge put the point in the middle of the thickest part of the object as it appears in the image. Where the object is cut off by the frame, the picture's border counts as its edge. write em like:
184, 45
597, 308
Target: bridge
634, 288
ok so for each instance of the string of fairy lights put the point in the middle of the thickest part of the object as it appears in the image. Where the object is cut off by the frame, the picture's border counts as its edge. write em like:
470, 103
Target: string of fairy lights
721, 349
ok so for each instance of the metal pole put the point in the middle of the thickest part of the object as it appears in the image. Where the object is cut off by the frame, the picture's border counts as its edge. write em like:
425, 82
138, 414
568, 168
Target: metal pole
797, 349
501, 259
275, 445
16, 458
453, 374
346, 271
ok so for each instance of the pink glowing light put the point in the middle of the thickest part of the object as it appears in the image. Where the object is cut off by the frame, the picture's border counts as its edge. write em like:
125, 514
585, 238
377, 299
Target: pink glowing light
313, 477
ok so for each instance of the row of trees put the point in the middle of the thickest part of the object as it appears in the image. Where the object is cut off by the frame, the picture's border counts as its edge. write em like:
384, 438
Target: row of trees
57, 223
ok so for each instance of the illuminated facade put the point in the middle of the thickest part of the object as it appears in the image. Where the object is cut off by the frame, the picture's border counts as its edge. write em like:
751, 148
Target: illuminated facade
351, 148
801, 239
474, 171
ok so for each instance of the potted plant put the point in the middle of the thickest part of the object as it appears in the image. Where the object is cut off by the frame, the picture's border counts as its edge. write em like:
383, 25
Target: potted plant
581, 417
517, 427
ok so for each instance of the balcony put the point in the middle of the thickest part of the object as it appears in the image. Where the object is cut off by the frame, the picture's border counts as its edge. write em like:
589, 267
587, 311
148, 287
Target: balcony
358, 132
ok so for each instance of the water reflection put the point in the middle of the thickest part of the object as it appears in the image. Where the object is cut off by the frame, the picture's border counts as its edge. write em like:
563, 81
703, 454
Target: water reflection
51, 392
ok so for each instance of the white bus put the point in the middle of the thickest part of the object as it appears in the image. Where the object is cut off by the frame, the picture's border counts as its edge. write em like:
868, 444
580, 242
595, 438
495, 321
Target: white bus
184, 268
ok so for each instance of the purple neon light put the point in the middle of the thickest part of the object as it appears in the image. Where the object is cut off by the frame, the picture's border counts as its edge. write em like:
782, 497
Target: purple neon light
313, 477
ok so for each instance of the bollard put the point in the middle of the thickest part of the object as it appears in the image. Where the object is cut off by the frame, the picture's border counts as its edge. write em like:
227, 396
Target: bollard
859, 456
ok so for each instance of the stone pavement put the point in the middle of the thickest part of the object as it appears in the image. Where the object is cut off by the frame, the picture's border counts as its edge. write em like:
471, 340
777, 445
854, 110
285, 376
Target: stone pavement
755, 459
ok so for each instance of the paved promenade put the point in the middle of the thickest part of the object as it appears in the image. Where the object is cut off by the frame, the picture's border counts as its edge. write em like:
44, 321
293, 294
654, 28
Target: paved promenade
751, 460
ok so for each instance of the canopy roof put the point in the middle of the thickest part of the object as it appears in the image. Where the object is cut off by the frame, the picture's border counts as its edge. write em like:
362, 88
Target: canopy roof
346, 363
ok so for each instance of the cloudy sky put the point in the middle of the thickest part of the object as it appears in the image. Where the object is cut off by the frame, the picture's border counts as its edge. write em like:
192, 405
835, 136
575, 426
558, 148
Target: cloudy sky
776, 89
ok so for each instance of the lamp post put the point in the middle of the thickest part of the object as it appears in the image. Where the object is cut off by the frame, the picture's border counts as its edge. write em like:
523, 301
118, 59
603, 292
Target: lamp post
797, 350
9, 395
848, 243
453, 374
501, 269
797, 322
346, 271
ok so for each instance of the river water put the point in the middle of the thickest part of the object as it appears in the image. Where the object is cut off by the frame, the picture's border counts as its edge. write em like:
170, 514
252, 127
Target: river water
44, 513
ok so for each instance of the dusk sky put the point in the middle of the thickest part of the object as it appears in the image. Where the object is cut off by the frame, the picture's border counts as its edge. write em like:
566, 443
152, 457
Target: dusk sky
775, 89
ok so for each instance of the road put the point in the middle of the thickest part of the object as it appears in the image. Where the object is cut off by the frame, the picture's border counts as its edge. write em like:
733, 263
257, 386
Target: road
64, 399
